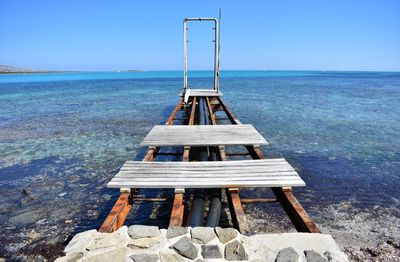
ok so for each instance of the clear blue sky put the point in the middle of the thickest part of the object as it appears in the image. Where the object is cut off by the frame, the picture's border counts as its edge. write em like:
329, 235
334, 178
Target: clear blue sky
288, 35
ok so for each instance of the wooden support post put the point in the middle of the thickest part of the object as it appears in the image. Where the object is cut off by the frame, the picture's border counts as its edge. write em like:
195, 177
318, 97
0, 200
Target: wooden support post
116, 217
178, 207
236, 209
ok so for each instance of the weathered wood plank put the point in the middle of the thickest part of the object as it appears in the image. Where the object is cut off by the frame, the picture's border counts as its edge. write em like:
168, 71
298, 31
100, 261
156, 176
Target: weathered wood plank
210, 135
201, 93
211, 174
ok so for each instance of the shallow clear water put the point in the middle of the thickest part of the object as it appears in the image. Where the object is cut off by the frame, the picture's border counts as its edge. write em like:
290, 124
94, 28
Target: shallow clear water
63, 136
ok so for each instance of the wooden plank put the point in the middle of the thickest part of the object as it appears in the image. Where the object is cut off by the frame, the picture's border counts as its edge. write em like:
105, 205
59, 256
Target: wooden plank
204, 183
209, 135
203, 92
200, 93
210, 174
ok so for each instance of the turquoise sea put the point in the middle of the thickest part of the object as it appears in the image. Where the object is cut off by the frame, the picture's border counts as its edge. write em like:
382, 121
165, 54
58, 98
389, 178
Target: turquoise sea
64, 135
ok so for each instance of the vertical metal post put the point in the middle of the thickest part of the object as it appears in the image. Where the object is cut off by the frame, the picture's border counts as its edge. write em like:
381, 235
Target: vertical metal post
216, 56
184, 56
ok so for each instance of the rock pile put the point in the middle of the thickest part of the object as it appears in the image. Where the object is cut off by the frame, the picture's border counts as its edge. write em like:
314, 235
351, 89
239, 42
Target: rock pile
140, 243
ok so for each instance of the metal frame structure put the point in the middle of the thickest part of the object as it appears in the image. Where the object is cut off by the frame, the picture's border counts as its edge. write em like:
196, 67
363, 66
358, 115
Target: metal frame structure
216, 50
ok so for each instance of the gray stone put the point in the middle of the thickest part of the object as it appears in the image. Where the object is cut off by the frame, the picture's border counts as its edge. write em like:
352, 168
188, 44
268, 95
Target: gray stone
144, 242
166, 256
312, 256
235, 251
80, 241
144, 257
108, 256
202, 235
226, 234
174, 231
210, 251
287, 255
185, 248
105, 240
139, 231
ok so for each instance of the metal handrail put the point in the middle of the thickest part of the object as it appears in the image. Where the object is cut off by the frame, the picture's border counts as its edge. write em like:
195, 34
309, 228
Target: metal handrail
216, 51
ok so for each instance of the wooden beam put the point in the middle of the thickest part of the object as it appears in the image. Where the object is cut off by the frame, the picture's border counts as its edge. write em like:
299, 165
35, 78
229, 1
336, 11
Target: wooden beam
178, 207
172, 117
210, 112
239, 219
299, 217
192, 112
235, 205
118, 213
176, 218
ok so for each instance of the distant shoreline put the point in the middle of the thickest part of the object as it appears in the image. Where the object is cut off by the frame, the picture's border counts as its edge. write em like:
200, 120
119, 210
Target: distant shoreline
38, 72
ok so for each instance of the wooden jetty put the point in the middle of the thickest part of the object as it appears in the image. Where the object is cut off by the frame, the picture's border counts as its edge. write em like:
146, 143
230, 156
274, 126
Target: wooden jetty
201, 142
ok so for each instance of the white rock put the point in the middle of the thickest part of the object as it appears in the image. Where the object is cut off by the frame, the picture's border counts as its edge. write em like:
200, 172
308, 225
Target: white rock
113, 255
80, 241
105, 240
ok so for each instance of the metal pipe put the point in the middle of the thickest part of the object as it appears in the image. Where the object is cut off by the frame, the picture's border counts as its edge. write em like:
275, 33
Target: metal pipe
184, 58
199, 197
